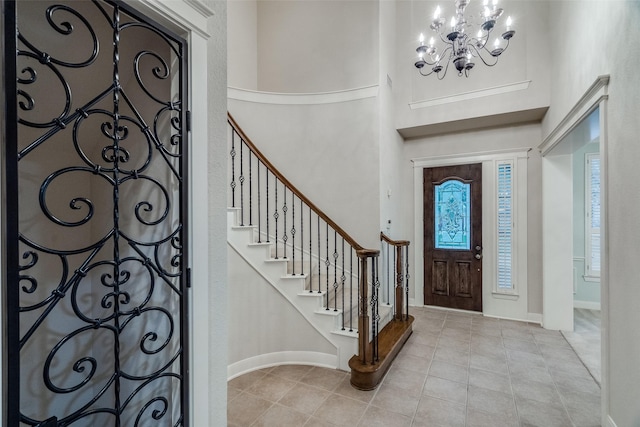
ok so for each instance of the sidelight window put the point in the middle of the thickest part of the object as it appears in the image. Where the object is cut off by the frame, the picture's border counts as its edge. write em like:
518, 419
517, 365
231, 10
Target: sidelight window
505, 225
592, 210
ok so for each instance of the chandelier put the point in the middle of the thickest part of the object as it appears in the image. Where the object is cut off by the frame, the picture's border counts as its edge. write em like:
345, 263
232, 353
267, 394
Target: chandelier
459, 47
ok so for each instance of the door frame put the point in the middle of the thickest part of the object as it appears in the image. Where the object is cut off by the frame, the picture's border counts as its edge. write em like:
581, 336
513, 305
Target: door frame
560, 316
188, 18
494, 304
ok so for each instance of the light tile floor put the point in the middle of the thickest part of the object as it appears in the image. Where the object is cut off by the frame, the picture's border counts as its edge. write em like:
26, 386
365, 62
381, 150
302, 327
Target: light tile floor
586, 339
457, 369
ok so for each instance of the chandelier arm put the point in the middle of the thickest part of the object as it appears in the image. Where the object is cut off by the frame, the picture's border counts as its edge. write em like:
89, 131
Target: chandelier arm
444, 40
505, 48
479, 55
446, 68
428, 74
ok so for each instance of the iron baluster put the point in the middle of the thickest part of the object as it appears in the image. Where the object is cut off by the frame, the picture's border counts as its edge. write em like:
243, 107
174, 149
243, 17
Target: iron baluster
358, 295
276, 215
302, 240
284, 226
335, 270
241, 179
395, 280
267, 211
388, 271
319, 259
406, 278
250, 191
343, 278
293, 233
259, 193
310, 251
375, 311
351, 287
233, 169
327, 263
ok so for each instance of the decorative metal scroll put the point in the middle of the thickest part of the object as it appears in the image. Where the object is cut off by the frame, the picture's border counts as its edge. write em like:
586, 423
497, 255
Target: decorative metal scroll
102, 194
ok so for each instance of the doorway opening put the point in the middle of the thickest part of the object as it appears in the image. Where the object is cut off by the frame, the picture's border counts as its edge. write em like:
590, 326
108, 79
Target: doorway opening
581, 150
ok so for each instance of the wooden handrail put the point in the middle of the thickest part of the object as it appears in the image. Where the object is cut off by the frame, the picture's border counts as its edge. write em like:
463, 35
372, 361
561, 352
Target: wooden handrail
359, 248
389, 240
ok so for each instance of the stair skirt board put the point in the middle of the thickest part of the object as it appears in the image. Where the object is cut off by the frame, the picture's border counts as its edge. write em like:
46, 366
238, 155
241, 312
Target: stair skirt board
264, 276
268, 360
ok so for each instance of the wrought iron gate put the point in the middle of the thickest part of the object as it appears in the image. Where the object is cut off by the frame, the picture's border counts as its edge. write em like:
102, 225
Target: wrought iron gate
95, 184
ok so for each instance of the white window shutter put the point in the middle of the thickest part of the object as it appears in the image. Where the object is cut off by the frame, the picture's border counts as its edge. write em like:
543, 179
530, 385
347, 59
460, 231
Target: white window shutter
505, 226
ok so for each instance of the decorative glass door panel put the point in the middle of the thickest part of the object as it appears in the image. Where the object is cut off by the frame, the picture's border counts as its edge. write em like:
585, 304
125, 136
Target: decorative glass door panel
452, 215
100, 171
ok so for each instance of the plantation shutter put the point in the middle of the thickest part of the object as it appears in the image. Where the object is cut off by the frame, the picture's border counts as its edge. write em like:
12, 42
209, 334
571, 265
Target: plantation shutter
593, 215
505, 225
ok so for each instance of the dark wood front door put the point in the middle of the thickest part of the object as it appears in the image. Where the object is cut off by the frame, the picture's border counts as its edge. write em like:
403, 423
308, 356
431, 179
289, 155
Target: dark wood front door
453, 237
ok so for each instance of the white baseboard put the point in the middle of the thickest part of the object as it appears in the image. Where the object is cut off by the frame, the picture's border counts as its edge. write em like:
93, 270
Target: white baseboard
281, 358
610, 422
531, 317
535, 318
589, 305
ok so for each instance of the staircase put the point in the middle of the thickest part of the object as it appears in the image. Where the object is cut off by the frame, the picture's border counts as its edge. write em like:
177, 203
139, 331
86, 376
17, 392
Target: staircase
323, 310
331, 280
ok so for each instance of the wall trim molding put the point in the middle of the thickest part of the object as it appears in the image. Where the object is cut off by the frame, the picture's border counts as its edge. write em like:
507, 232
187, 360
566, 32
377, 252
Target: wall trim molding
597, 92
610, 422
302, 98
460, 159
191, 15
268, 360
474, 94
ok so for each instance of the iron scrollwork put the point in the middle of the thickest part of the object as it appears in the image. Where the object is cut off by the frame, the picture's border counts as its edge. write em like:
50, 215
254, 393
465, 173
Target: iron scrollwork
101, 166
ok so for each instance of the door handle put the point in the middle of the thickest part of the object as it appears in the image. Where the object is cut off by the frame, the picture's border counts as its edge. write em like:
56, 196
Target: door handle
478, 254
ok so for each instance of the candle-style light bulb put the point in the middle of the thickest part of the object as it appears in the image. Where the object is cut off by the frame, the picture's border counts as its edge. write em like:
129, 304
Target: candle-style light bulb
431, 42
421, 38
453, 23
496, 44
479, 34
437, 58
495, 3
436, 14
508, 23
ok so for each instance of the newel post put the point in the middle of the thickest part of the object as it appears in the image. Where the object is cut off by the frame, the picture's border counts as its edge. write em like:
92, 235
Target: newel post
365, 352
399, 284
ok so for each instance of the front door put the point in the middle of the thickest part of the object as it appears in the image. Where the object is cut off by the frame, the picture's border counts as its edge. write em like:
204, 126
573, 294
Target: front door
453, 237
